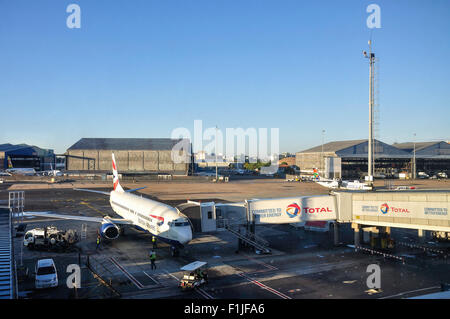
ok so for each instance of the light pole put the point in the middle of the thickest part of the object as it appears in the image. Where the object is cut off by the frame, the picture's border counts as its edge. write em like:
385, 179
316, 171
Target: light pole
216, 156
322, 158
371, 58
414, 157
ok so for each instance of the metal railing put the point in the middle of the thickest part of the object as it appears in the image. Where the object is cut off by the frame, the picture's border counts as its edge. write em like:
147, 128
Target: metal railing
102, 273
246, 236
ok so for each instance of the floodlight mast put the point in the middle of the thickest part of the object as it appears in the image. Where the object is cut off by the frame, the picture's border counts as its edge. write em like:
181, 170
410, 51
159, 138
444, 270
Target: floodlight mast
371, 58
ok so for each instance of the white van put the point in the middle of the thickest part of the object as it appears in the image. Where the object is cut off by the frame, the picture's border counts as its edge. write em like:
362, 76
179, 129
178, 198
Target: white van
46, 275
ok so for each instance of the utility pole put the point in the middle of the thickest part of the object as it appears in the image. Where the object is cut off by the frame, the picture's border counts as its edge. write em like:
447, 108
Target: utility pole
371, 58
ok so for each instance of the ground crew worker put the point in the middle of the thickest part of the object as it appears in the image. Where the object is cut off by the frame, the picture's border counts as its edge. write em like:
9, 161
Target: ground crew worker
98, 242
154, 242
152, 259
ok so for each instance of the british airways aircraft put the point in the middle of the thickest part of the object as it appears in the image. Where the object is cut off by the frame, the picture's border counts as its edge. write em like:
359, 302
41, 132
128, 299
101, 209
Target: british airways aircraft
161, 220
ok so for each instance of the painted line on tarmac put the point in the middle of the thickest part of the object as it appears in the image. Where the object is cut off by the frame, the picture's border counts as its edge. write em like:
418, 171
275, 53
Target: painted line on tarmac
256, 282
127, 274
203, 293
199, 290
154, 280
270, 267
93, 208
171, 275
408, 292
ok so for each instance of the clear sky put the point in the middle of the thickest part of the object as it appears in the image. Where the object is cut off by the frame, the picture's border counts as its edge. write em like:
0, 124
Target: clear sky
143, 68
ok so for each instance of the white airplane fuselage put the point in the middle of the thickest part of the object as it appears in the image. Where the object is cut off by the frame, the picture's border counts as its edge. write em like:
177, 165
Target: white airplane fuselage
21, 171
159, 219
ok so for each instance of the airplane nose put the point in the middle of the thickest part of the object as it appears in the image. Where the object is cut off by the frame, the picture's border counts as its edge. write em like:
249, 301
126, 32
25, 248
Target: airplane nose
185, 235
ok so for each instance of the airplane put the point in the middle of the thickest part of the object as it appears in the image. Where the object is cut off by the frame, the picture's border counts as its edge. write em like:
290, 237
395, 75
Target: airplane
19, 171
3, 173
355, 185
51, 172
328, 183
164, 222
333, 183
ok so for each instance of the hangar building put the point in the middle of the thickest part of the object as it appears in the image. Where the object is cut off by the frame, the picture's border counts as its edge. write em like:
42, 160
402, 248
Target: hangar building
348, 159
431, 157
133, 155
26, 156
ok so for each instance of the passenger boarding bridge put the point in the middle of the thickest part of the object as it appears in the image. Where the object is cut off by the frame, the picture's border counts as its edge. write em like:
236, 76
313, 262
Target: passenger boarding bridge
375, 211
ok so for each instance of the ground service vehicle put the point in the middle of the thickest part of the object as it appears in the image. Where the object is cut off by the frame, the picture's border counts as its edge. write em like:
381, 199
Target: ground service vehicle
195, 275
49, 237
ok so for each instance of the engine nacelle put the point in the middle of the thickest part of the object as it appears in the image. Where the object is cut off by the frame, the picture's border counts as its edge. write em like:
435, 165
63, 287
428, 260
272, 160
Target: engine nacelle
109, 231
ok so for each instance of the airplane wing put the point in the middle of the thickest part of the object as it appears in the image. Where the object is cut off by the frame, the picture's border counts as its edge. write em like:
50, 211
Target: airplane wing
52, 215
120, 221
80, 218
91, 191
135, 189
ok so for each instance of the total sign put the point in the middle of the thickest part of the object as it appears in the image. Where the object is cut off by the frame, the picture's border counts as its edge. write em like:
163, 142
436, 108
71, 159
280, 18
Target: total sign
293, 209
421, 210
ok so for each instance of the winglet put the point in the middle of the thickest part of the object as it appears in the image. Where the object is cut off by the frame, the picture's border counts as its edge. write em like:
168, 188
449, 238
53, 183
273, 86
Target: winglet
116, 183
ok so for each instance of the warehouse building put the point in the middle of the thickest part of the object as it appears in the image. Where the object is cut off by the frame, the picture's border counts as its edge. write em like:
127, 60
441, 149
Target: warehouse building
348, 159
26, 156
133, 155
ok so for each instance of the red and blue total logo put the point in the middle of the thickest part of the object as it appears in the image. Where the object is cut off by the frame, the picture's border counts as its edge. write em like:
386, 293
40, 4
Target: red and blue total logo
384, 208
293, 210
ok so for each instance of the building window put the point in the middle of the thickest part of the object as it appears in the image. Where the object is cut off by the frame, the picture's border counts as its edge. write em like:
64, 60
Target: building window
210, 215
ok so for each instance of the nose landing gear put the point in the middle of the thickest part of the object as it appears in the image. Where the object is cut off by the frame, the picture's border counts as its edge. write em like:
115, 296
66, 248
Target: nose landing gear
174, 251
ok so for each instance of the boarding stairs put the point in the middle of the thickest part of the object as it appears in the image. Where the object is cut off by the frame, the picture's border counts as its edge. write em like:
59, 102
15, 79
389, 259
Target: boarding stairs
246, 236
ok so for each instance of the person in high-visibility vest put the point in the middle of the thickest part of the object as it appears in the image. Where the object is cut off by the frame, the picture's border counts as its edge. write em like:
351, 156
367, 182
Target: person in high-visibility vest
98, 242
152, 259
154, 242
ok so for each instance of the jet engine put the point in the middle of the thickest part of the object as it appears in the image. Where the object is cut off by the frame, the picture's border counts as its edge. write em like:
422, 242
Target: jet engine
109, 231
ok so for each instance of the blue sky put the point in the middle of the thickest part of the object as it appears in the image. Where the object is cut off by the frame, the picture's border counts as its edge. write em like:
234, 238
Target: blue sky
143, 68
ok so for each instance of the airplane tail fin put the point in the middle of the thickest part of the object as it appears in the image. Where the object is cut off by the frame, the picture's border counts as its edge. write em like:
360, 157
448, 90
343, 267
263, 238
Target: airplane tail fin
10, 165
116, 183
316, 174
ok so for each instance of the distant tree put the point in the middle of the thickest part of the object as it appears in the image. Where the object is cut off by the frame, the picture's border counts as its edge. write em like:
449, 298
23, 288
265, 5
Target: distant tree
257, 165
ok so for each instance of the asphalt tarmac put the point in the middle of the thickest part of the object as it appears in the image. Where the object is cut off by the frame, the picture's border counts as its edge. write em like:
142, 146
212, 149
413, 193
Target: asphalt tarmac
303, 264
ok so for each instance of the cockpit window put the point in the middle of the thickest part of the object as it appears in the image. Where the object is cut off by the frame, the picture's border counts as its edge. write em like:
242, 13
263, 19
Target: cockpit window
178, 224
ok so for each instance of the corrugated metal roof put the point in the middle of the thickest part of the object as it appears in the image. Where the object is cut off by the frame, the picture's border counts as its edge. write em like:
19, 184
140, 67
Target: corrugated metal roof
10, 147
409, 146
334, 146
359, 149
33, 150
117, 144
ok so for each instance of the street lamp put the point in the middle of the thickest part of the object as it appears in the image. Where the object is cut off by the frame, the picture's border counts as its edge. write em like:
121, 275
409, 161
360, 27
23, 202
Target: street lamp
322, 159
414, 157
216, 155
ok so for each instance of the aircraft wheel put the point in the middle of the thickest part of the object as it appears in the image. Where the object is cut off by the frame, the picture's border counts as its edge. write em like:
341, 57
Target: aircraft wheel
174, 252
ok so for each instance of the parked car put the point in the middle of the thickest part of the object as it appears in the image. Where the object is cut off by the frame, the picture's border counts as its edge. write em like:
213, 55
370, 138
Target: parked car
46, 274
442, 175
423, 175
